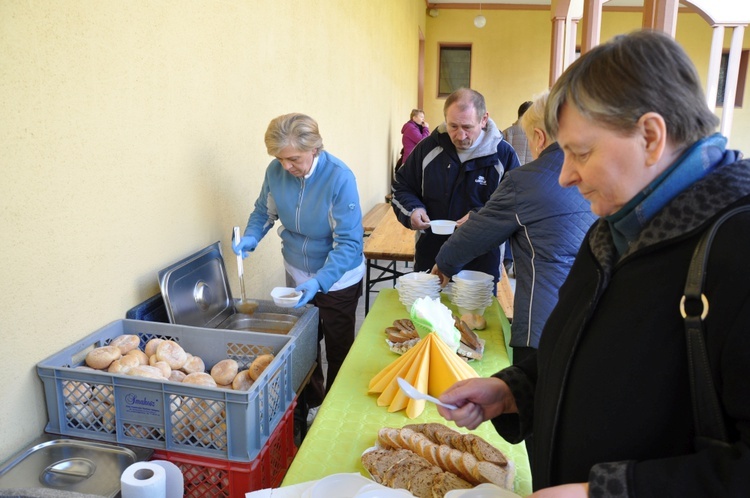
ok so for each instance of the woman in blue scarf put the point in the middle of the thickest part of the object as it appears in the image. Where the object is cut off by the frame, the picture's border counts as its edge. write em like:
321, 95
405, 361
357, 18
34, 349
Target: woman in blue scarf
607, 396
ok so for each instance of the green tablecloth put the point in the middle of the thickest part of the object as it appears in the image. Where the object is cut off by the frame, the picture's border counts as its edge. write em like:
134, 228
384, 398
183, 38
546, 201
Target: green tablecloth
349, 419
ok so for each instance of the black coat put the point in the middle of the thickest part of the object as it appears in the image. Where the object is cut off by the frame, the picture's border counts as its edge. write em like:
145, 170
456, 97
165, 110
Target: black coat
435, 179
611, 402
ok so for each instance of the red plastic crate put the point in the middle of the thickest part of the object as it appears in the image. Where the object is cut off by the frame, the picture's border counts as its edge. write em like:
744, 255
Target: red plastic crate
213, 477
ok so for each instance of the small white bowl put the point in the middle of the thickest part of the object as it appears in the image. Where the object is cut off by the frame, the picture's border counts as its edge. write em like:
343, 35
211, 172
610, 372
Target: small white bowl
482, 491
473, 276
442, 227
285, 297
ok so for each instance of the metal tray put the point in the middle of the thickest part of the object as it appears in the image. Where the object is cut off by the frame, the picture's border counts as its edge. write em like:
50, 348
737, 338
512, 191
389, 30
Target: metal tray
64, 464
196, 289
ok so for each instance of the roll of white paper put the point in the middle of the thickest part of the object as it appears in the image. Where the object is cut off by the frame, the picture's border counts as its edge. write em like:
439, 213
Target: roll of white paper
175, 481
144, 480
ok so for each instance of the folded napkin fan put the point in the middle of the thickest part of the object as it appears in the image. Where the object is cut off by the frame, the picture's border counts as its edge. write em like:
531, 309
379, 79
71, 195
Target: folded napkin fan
429, 365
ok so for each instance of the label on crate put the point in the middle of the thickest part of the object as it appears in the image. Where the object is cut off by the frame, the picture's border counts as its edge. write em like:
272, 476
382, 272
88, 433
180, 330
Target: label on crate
142, 404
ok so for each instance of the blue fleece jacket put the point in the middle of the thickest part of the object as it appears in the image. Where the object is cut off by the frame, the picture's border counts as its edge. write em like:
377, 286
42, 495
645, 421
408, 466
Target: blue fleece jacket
321, 218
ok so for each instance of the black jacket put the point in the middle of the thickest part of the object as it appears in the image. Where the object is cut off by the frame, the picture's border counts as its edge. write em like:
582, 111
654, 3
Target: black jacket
434, 178
608, 391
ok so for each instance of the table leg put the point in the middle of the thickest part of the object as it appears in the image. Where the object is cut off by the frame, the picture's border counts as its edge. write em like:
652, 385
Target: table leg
367, 286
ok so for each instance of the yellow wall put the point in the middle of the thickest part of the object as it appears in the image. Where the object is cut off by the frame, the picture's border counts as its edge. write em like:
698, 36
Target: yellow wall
133, 136
511, 57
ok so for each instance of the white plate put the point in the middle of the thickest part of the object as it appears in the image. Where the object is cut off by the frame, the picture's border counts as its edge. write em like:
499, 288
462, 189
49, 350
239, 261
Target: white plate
338, 486
384, 492
482, 491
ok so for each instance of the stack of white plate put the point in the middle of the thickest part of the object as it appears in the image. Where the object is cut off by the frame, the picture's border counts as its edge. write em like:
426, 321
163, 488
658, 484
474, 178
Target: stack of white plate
472, 291
415, 285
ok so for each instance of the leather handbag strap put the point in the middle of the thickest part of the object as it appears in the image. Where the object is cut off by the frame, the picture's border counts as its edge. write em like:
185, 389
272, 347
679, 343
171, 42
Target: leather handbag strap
707, 411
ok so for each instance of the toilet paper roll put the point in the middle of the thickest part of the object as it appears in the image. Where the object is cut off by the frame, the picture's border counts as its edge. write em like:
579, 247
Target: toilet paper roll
144, 480
175, 480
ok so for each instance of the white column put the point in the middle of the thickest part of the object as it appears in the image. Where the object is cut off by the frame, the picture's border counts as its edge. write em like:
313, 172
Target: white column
571, 32
714, 67
556, 50
592, 24
665, 16
730, 89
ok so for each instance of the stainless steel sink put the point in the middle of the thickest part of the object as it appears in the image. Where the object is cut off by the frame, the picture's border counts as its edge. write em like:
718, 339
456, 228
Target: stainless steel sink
269, 323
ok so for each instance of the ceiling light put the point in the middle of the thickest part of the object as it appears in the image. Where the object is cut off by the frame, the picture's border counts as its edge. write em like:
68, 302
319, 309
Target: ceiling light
480, 20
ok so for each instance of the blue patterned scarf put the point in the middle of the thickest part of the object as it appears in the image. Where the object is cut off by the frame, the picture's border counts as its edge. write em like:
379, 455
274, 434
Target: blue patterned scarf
697, 161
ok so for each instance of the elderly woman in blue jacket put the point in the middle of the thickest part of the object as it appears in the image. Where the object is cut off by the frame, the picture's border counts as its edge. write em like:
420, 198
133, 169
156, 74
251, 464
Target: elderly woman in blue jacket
544, 223
314, 196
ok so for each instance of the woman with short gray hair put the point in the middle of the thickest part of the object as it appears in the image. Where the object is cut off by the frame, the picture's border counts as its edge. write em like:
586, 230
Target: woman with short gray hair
608, 395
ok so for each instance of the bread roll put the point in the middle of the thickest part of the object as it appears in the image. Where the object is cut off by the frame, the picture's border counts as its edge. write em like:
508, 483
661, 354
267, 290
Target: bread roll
259, 364
476, 322
150, 348
139, 355
98, 407
102, 357
117, 367
177, 376
166, 370
180, 419
107, 418
225, 371
242, 381
172, 353
76, 392
124, 364
82, 413
199, 378
103, 393
205, 413
126, 342
193, 364
215, 437
146, 371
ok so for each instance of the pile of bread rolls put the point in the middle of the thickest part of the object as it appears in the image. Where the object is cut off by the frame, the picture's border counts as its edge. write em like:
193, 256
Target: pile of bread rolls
401, 336
92, 406
470, 459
